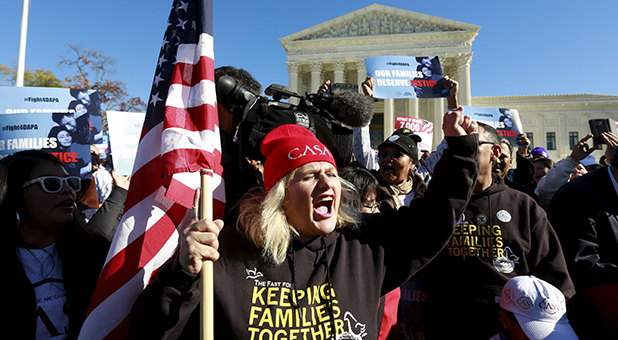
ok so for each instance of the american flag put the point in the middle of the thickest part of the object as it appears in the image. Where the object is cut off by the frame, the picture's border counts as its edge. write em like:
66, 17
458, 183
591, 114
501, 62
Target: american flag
180, 137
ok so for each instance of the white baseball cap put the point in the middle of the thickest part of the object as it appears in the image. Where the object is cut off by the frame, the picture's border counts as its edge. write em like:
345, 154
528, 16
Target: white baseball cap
589, 160
539, 307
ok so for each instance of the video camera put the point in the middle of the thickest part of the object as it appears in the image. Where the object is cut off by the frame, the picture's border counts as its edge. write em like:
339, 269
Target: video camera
328, 115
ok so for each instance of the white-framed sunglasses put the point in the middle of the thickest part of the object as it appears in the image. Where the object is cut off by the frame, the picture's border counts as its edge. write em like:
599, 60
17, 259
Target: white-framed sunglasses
53, 184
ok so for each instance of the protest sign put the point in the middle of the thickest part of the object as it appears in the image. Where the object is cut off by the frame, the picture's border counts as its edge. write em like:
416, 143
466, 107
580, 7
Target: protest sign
63, 122
413, 300
125, 129
406, 77
420, 127
505, 121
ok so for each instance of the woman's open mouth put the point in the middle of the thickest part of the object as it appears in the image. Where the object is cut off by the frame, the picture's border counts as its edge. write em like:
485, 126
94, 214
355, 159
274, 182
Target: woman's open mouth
67, 204
324, 206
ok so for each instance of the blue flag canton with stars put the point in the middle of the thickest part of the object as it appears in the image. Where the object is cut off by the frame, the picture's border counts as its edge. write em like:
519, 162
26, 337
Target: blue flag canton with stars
186, 22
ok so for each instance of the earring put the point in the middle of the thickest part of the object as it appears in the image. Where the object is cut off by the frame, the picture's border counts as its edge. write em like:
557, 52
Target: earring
18, 219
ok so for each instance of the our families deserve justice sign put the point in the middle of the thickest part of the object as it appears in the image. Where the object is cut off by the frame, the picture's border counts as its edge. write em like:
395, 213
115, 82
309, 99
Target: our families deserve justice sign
406, 77
61, 121
505, 121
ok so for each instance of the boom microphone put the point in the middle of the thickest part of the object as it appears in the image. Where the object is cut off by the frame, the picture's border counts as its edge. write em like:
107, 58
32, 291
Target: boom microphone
352, 108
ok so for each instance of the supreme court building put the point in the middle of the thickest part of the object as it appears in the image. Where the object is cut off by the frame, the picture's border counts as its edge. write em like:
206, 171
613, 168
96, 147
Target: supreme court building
335, 50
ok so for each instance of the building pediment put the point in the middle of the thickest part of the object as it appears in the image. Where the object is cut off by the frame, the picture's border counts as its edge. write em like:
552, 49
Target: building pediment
379, 20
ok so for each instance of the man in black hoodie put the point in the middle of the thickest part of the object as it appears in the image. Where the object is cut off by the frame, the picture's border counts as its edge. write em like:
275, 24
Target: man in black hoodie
503, 233
585, 213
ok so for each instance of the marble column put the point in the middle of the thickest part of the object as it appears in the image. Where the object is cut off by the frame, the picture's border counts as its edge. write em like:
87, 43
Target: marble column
412, 107
305, 82
389, 117
465, 92
293, 75
439, 108
316, 71
361, 71
293, 82
339, 67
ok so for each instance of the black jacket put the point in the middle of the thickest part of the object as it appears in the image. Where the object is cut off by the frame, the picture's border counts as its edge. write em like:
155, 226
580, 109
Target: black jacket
253, 299
524, 174
82, 252
504, 233
584, 213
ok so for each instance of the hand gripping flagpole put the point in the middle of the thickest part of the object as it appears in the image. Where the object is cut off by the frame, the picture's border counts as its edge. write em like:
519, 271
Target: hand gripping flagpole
206, 286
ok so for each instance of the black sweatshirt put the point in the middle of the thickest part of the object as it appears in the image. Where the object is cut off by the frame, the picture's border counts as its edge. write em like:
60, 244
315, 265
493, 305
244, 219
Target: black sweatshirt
503, 233
255, 299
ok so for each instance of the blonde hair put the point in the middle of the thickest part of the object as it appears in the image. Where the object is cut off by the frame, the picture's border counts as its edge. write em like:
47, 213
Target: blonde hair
263, 219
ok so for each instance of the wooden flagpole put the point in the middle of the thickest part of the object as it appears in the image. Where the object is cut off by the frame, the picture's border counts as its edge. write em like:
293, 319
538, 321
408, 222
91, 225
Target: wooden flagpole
206, 286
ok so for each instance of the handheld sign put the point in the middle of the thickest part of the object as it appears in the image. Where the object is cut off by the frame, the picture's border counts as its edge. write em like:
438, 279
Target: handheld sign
505, 121
125, 129
63, 122
420, 127
407, 77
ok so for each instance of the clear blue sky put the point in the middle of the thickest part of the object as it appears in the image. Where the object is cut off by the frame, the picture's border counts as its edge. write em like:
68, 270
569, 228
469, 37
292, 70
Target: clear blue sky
523, 47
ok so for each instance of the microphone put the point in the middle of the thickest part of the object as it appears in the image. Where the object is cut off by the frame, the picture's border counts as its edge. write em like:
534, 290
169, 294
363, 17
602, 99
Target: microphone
352, 108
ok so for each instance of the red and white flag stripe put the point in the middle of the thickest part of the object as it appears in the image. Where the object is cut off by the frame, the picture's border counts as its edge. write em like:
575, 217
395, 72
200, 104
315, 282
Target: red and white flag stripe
165, 175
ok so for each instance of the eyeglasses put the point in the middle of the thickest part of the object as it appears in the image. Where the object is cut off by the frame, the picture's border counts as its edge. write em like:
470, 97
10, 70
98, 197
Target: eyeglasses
481, 142
395, 154
53, 184
373, 207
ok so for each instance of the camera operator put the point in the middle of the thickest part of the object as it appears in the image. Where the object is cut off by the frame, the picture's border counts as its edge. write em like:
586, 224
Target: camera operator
246, 117
241, 176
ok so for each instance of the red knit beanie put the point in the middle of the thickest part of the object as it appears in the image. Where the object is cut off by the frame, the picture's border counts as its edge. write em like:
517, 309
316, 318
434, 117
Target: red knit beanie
289, 146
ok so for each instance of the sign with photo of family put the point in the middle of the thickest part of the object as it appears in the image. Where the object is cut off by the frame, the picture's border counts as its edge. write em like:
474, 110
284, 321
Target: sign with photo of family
407, 77
61, 121
505, 121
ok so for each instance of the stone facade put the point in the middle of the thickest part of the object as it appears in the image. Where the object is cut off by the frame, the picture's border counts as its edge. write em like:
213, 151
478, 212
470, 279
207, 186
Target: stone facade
335, 50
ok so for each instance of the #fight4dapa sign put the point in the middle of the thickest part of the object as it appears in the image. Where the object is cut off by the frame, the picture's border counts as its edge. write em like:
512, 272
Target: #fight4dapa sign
63, 122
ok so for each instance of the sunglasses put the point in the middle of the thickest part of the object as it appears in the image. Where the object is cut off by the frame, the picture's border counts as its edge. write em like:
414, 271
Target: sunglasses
395, 154
53, 184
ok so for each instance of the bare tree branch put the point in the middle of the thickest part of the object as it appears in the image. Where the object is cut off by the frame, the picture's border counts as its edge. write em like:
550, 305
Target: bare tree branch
112, 92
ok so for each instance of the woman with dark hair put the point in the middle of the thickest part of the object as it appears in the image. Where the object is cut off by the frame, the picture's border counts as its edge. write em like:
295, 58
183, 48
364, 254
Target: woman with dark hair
84, 115
300, 262
52, 261
429, 66
367, 185
91, 101
64, 143
63, 138
507, 122
542, 166
397, 157
429, 69
81, 131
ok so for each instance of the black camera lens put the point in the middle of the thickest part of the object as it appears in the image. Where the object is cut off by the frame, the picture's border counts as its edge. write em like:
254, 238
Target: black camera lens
229, 92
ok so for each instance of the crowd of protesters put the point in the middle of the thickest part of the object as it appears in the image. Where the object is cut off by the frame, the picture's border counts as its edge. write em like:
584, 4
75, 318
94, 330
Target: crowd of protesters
310, 250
